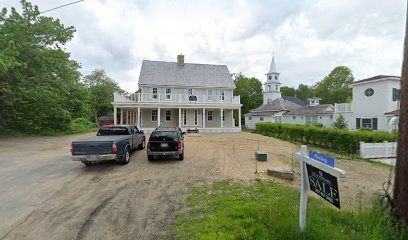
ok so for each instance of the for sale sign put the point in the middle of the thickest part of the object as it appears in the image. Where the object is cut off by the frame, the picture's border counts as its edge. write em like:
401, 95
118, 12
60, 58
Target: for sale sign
324, 185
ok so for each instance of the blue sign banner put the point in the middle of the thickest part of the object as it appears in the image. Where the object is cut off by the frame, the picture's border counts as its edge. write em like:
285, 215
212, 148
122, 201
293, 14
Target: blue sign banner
322, 158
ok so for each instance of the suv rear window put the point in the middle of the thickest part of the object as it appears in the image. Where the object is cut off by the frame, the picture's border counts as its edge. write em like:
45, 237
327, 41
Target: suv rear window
164, 136
108, 131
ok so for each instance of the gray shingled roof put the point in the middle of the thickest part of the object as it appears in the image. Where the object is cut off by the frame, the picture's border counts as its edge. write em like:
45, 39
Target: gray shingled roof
296, 100
312, 110
277, 105
188, 75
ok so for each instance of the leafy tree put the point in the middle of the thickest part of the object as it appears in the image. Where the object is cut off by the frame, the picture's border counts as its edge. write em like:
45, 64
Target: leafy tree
250, 90
288, 91
335, 87
340, 123
304, 92
101, 87
37, 77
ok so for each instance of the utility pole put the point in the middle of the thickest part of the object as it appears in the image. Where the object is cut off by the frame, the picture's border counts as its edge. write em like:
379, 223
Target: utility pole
401, 167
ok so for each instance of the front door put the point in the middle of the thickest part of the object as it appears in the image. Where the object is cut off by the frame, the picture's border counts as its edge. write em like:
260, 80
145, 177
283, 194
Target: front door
190, 117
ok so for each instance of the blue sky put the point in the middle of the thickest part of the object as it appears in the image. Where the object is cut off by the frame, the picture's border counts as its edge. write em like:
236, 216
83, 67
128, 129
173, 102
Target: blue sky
309, 37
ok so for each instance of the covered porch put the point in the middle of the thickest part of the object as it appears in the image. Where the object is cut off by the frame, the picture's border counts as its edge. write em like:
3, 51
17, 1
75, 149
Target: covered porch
200, 118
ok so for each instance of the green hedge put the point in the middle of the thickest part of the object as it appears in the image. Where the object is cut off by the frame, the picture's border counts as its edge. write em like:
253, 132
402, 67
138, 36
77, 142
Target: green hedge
344, 141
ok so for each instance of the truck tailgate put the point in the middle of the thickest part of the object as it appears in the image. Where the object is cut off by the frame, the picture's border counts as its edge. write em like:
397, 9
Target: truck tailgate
91, 148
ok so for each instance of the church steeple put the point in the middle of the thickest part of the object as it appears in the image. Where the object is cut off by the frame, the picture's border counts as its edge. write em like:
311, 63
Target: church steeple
272, 84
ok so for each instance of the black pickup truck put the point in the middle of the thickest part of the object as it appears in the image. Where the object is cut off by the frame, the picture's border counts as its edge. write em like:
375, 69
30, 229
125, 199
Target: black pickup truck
112, 142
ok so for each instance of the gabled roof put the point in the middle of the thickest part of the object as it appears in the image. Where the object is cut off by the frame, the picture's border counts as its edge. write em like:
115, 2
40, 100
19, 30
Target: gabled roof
376, 78
313, 110
160, 73
277, 105
296, 100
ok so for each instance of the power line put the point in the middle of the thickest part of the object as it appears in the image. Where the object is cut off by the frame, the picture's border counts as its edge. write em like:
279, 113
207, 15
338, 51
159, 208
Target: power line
49, 10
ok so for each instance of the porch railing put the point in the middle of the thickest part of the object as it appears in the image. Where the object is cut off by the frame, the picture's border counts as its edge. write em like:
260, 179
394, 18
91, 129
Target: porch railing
342, 107
174, 98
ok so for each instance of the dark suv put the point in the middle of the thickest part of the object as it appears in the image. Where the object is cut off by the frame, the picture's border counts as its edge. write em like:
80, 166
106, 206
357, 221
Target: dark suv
166, 142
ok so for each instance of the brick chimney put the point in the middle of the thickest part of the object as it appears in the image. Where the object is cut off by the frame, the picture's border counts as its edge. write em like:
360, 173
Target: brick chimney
180, 59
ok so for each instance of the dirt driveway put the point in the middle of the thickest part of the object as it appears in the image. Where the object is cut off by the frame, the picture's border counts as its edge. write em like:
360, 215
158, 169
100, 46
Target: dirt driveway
44, 195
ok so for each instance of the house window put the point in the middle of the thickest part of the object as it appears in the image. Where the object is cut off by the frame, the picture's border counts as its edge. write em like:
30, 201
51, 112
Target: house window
190, 91
396, 94
222, 95
223, 115
276, 87
168, 93
249, 118
294, 117
369, 92
210, 115
366, 123
154, 115
301, 117
209, 92
261, 119
269, 87
321, 117
154, 93
185, 117
168, 115
331, 117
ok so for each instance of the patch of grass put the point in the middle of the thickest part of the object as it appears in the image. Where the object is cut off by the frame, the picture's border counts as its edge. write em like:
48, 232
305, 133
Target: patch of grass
265, 210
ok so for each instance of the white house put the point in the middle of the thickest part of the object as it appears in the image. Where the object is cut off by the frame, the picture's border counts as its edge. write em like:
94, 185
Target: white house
179, 94
286, 109
375, 104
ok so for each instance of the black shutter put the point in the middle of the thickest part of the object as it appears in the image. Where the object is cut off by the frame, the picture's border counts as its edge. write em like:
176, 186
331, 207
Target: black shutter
375, 123
394, 94
358, 121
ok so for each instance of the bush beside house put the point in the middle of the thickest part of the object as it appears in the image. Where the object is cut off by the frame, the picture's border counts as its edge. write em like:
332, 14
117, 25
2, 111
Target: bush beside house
338, 140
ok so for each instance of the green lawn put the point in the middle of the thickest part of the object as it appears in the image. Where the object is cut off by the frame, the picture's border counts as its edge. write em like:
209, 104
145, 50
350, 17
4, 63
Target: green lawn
265, 210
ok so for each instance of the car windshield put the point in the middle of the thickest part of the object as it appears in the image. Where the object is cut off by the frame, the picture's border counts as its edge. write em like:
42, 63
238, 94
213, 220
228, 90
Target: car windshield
108, 131
164, 136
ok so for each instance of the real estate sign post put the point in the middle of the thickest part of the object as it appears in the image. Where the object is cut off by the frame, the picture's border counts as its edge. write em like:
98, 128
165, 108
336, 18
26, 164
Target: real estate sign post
321, 175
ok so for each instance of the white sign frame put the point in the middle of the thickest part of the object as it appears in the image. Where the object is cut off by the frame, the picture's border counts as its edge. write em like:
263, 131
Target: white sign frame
303, 157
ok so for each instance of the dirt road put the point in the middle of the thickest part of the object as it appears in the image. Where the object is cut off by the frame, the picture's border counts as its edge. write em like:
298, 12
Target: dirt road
44, 195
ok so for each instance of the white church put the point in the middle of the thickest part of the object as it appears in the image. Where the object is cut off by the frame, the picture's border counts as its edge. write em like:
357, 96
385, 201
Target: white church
287, 109
375, 105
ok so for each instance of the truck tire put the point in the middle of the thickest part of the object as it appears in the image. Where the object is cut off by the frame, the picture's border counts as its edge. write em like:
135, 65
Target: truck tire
181, 156
125, 157
150, 157
143, 144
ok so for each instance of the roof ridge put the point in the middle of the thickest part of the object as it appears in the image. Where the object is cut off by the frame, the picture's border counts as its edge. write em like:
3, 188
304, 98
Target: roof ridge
211, 64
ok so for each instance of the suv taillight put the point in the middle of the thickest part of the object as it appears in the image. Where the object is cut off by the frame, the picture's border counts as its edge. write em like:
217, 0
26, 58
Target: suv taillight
114, 148
180, 145
148, 146
71, 150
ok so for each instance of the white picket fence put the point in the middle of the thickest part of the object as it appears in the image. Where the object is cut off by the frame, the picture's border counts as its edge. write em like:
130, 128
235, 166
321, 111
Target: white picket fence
378, 150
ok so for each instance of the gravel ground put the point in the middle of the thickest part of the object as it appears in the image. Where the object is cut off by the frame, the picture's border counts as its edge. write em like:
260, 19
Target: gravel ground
44, 195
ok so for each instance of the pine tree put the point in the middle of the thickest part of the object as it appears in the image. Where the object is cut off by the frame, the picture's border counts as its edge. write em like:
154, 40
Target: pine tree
340, 123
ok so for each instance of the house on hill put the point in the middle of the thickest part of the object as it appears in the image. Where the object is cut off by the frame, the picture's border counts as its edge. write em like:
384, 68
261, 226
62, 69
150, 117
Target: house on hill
179, 94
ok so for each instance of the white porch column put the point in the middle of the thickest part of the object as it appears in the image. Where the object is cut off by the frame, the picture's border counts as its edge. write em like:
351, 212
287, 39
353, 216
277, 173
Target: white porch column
179, 117
115, 115
130, 117
121, 116
158, 117
203, 117
232, 118
138, 117
239, 118
127, 117
222, 113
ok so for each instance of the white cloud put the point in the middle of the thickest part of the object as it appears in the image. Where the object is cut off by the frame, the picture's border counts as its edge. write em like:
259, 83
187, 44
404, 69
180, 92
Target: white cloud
310, 37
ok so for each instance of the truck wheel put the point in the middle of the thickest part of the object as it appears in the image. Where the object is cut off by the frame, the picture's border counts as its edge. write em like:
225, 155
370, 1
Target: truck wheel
126, 157
181, 156
150, 157
142, 145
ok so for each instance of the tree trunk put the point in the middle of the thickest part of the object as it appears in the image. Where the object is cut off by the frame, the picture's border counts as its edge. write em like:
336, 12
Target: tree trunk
401, 168
96, 117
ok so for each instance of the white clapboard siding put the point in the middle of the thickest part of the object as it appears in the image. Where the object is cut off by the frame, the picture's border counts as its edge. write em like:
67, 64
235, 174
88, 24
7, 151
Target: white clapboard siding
378, 150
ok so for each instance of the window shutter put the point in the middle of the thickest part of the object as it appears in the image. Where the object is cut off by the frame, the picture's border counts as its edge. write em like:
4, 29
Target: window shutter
394, 94
375, 123
358, 121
